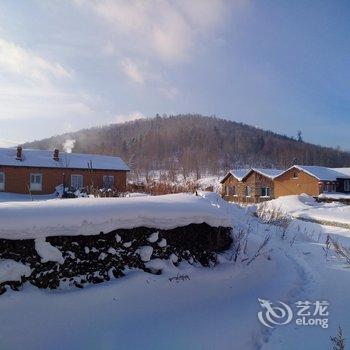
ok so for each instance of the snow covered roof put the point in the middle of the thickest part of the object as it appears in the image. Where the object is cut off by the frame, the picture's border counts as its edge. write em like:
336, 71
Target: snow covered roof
344, 171
44, 159
240, 174
270, 173
323, 173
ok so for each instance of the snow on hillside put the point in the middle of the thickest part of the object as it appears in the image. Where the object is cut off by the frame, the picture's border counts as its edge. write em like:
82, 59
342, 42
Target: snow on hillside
210, 181
89, 216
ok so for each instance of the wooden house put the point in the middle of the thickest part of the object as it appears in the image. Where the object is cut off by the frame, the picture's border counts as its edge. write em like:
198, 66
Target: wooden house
249, 185
312, 180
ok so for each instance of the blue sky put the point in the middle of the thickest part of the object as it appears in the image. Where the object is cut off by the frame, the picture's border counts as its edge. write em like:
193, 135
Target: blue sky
279, 65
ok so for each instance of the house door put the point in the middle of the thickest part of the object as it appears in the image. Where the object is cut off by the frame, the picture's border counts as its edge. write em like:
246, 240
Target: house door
346, 185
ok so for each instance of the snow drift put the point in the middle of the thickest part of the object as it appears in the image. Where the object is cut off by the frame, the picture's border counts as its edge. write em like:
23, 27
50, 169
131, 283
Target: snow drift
90, 216
307, 208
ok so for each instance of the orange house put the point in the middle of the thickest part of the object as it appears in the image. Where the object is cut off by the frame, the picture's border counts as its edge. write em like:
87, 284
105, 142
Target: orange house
312, 180
41, 171
249, 185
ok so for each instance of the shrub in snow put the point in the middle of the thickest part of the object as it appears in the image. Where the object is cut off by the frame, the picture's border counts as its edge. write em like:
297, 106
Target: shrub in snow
179, 278
274, 216
341, 251
239, 243
11, 270
127, 244
145, 253
153, 237
48, 252
260, 250
162, 243
118, 238
338, 342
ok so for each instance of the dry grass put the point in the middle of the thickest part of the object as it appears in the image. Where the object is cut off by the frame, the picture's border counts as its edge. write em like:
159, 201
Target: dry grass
341, 251
157, 188
274, 216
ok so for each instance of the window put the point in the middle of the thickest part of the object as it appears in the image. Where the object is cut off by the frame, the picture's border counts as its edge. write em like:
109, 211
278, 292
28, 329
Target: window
329, 187
295, 175
36, 182
231, 191
248, 191
108, 181
265, 192
347, 185
76, 181
2, 181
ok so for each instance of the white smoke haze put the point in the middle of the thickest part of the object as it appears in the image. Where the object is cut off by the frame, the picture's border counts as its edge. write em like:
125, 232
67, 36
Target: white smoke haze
68, 145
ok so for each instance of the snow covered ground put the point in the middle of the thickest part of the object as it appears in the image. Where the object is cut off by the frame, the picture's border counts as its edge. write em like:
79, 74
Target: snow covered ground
306, 207
16, 197
214, 308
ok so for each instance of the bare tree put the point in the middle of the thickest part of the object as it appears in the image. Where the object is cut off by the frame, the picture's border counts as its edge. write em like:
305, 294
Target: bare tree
338, 341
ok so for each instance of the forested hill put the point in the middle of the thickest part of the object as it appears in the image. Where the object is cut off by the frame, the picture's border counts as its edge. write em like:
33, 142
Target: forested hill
195, 143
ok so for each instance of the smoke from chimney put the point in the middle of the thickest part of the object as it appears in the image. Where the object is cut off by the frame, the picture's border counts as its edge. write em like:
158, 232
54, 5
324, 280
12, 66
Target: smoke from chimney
68, 145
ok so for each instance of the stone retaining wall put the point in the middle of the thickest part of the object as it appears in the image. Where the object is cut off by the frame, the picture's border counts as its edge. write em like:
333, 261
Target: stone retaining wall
98, 258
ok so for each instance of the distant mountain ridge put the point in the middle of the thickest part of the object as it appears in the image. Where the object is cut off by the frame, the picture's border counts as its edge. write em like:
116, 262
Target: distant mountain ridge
194, 143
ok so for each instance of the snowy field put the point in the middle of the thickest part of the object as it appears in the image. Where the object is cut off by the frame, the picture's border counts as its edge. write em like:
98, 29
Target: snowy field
306, 207
214, 308
15, 197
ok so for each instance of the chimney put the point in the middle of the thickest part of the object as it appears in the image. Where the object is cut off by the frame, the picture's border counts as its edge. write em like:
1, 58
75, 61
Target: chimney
56, 153
19, 155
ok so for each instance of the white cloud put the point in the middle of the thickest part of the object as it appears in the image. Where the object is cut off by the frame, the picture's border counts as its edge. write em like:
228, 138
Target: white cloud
142, 73
169, 92
32, 87
132, 71
149, 37
18, 61
122, 118
47, 102
165, 30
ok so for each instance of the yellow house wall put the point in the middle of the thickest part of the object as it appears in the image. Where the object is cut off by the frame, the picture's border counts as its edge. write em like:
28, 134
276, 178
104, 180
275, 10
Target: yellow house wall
286, 185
